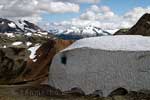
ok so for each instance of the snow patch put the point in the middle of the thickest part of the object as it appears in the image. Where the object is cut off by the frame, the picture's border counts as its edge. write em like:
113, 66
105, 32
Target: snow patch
12, 25
9, 35
17, 43
112, 31
4, 46
38, 35
33, 51
34, 60
29, 34
43, 33
28, 43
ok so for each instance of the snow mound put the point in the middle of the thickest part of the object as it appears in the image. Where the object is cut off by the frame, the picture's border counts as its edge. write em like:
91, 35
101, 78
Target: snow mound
122, 43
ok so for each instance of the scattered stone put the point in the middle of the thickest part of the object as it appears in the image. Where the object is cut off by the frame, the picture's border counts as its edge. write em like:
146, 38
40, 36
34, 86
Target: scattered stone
75, 91
119, 91
97, 93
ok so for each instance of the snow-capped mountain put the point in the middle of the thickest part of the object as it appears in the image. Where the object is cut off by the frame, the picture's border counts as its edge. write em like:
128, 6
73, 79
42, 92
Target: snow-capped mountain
21, 33
83, 31
76, 33
29, 27
8, 26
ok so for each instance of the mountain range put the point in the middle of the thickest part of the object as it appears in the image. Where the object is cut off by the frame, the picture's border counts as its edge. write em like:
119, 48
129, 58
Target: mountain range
72, 32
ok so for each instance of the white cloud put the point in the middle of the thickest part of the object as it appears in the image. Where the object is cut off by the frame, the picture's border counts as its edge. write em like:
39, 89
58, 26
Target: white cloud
133, 15
105, 18
89, 1
79, 1
32, 9
97, 13
59, 7
16, 8
24, 8
34, 18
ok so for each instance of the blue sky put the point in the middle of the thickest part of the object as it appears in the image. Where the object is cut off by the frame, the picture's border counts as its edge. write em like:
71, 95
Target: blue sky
119, 7
122, 6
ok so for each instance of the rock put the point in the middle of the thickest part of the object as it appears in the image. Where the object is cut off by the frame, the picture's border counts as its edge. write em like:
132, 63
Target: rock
97, 93
12, 63
118, 91
103, 63
37, 68
145, 91
121, 32
75, 91
8, 26
30, 27
142, 27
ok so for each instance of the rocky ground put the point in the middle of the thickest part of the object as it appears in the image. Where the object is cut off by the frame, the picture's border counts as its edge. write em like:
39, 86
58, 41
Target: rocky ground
44, 92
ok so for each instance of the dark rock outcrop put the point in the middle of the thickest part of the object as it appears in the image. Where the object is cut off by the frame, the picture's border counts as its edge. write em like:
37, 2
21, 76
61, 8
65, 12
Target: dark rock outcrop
121, 32
142, 27
118, 91
37, 72
5, 26
17, 68
12, 63
9, 26
30, 27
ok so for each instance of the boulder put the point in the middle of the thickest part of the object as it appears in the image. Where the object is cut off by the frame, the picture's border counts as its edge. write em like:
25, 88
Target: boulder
75, 92
120, 91
103, 63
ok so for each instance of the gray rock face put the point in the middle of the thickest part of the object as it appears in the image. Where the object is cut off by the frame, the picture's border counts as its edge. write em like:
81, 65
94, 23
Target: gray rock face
12, 63
95, 69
